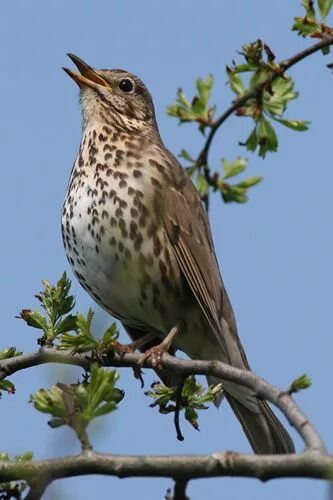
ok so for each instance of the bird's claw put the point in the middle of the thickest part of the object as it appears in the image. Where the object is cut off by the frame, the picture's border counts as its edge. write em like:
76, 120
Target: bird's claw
155, 355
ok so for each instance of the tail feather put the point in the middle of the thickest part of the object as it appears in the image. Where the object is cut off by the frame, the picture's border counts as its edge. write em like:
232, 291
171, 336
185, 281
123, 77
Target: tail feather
264, 431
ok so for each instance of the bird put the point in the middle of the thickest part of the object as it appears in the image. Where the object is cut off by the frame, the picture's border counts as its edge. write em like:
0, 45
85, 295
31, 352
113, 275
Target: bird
138, 238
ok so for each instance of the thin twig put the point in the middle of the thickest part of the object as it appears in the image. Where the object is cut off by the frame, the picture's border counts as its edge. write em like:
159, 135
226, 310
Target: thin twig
240, 101
179, 394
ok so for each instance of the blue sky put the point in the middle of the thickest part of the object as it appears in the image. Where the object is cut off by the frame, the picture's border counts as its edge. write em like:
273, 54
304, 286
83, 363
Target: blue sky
275, 252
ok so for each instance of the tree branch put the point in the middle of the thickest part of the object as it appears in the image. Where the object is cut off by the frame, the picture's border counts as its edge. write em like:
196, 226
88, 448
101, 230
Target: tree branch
261, 388
283, 66
178, 467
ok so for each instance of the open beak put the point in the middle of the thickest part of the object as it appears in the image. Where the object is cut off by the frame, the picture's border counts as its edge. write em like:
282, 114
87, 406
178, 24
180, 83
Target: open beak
87, 77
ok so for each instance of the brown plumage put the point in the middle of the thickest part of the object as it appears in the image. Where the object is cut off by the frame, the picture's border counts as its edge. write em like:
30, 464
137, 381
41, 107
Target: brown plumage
139, 240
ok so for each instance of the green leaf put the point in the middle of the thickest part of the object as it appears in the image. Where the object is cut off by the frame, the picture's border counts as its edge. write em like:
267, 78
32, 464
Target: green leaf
235, 81
324, 8
299, 125
202, 184
34, 319
305, 26
192, 416
252, 141
299, 384
204, 87
251, 181
9, 352
259, 76
186, 155
197, 110
233, 194
309, 9
26, 457
68, 324
236, 167
238, 192
6, 385
267, 138
282, 93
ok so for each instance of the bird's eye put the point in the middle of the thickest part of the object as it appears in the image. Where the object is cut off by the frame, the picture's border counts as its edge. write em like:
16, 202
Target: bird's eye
126, 85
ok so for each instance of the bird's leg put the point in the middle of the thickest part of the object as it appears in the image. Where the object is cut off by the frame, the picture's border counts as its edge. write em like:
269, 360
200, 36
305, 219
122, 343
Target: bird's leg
122, 349
155, 354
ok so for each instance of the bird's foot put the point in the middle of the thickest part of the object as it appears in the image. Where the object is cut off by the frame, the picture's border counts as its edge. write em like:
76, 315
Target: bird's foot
155, 353
123, 349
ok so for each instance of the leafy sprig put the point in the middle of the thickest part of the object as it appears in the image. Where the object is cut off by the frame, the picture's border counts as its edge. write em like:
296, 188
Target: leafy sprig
310, 24
63, 328
193, 398
82, 339
198, 109
263, 93
76, 405
57, 304
269, 102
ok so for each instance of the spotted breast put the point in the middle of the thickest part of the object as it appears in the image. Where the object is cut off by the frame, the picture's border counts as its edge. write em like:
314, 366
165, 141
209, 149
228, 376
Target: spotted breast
114, 242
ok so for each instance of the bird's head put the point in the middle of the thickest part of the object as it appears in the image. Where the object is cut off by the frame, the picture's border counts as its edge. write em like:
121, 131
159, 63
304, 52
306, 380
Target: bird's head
113, 96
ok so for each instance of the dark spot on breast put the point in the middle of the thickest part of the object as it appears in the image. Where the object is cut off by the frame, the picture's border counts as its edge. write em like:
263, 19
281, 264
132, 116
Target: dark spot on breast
152, 229
138, 242
157, 245
137, 173
133, 229
155, 182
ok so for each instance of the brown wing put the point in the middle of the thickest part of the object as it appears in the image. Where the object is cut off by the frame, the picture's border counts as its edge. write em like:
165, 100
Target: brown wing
188, 229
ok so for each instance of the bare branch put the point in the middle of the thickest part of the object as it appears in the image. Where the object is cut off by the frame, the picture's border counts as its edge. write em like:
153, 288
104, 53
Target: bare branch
263, 389
283, 66
178, 467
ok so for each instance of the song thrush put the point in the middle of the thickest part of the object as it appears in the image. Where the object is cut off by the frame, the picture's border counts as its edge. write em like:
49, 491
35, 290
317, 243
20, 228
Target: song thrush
139, 241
